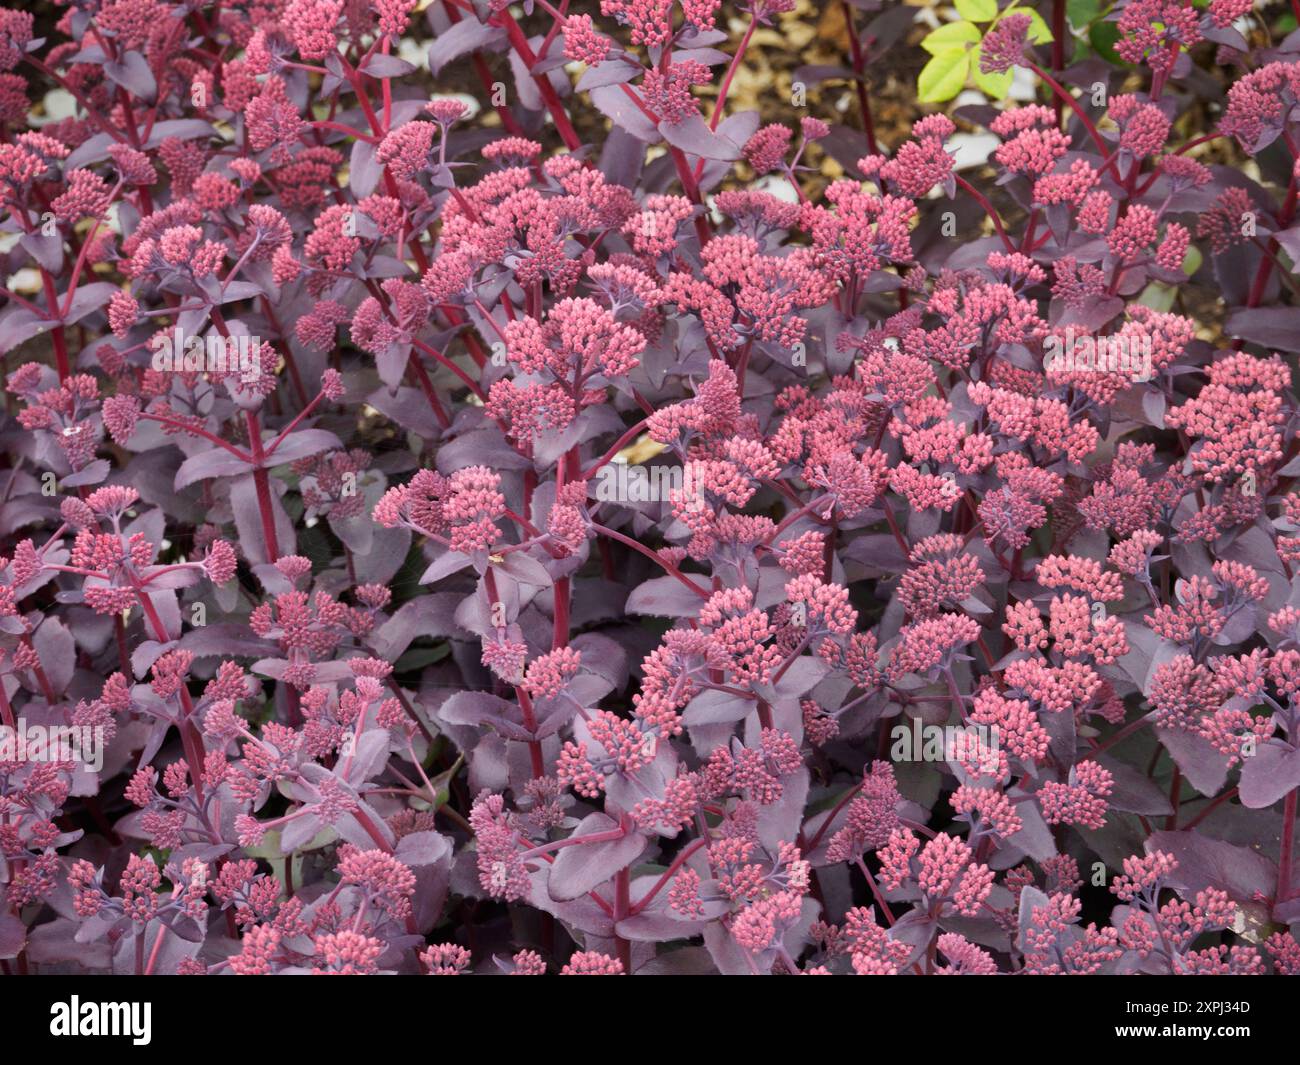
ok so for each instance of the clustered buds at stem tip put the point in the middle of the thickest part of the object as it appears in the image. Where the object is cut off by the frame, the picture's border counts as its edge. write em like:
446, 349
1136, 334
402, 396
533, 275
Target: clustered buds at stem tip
416, 488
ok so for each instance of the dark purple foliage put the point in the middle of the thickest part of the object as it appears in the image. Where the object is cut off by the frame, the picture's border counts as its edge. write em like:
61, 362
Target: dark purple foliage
435, 544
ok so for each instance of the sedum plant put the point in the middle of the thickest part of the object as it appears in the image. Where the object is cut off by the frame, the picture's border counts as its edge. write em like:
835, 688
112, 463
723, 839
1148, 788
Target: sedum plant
571, 525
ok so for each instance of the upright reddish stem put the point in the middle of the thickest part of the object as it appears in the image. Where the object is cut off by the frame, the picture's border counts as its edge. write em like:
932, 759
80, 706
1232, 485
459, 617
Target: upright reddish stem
622, 909
1066, 97
191, 739
261, 479
572, 471
1265, 270
1058, 49
1287, 858
62, 362
42, 680
6, 709
262, 484
730, 75
982, 200
859, 81
553, 104
1175, 799
525, 703
530, 723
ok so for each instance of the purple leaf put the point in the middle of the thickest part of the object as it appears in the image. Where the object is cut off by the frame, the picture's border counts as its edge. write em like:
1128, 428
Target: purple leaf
583, 868
133, 74
693, 136
94, 473
1273, 327
468, 35
611, 72
58, 651
301, 444
216, 462
386, 66
1203, 862
1203, 766
665, 597
13, 936
613, 102
244, 503
1269, 774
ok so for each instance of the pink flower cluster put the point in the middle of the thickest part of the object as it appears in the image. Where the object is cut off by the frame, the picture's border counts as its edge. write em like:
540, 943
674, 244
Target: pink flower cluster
737, 545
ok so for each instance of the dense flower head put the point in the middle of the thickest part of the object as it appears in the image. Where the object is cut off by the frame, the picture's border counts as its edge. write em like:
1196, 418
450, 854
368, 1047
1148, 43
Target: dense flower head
638, 516
1003, 46
1148, 27
1031, 143
1258, 103
922, 163
1079, 801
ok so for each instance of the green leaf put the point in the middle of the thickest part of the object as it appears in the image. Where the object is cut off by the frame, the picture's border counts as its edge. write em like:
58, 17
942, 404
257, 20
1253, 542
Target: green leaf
1082, 12
419, 657
943, 77
995, 86
1038, 31
1102, 37
950, 36
978, 10
1158, 297
1192, 260
442, 782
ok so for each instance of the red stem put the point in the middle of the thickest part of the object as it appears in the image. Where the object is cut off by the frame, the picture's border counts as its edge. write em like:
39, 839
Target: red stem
618, 446
1058, 47
860, 83
731, 73
191, 739
622, 908
653, 556
982, 200
543, 82
262, 484
194, 430
1287, 857
1066, 97
668, 874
